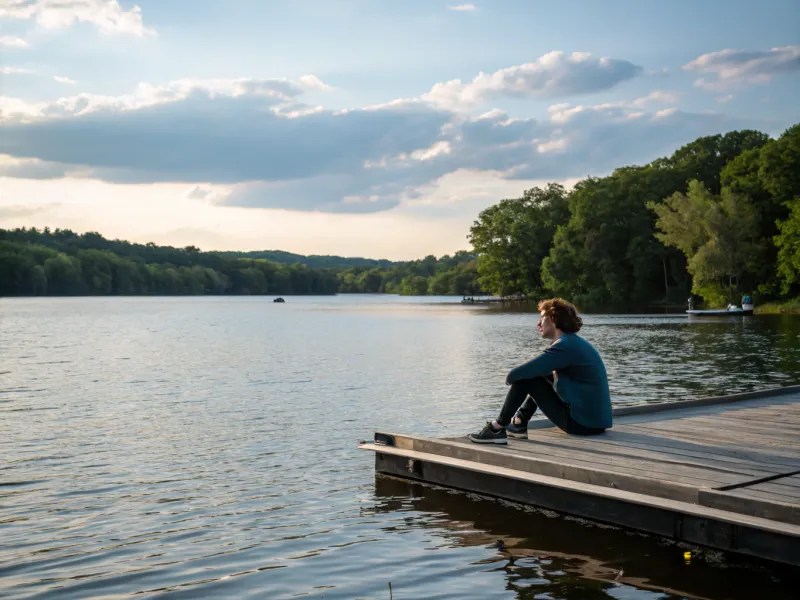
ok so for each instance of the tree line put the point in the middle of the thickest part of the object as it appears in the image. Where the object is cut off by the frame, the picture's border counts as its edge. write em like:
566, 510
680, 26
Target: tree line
718, 218
61, 262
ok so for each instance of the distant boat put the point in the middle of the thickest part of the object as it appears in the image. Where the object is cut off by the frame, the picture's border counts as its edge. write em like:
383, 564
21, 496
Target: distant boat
732, 310
279, 300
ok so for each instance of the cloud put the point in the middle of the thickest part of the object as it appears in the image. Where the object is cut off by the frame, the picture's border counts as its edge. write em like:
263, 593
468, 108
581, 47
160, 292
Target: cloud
552, 75
107, 15
66, 80
209, 193
656, 97
738, 67
18, 211
30, 168
253, 143
15, 71
280, 92
13, 42
463, 7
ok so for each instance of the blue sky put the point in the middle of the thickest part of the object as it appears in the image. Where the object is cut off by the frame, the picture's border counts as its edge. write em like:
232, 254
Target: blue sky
360, 127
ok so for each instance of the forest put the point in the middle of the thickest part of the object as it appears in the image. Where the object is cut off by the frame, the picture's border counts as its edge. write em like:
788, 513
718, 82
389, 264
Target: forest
61, 262
717, 219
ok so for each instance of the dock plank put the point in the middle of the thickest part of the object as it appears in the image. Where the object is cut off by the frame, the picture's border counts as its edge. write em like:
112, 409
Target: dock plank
610, 443
648, 463
622, 439
744, 503
716, 436
786, 486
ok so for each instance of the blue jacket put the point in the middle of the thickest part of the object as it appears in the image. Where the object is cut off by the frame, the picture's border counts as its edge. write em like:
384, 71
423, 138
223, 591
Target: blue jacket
581, 378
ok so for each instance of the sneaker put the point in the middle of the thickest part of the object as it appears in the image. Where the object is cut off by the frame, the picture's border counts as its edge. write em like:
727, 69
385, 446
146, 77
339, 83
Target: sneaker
487, 435
517, 431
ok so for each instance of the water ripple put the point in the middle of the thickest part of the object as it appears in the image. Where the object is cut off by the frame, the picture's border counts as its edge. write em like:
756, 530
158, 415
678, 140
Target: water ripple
166, 456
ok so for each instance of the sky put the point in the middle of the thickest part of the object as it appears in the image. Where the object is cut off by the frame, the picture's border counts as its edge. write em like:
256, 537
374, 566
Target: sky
360, 127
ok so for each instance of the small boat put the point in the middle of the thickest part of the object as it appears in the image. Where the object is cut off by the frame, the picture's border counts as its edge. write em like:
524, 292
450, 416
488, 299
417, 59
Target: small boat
279, 300
732, 310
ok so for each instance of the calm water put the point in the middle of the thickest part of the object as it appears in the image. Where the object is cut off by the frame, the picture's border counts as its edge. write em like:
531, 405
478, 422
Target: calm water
206, 447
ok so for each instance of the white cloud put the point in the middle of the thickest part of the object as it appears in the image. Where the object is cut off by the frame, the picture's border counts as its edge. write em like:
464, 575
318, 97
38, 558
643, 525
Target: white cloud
280, 94
551, 75
13, 42
209, 193
250, 143
463, 7
656, 97
738, 67
15, 71
555, 145
66, 80
667, 112
437, 149
107, 15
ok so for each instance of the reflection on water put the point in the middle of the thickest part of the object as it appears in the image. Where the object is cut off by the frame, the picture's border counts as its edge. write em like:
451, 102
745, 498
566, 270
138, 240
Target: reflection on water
206, 447
540, 552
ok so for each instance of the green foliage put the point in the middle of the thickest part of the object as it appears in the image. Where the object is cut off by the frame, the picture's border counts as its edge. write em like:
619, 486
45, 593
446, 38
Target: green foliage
314, 261
681, 218
513, 238
779, 169
718, 235
61, 262
717, 201
606, 255
705, 158
446, 276
788, 244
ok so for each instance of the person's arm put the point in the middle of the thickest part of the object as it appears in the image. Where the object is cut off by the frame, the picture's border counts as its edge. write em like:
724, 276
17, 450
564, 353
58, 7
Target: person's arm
555, 357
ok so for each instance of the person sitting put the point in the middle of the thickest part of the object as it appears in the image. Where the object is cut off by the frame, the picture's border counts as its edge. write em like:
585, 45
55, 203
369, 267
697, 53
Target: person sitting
567, 381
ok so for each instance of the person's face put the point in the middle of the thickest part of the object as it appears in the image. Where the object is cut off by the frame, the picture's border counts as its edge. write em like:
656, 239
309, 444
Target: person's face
546, 326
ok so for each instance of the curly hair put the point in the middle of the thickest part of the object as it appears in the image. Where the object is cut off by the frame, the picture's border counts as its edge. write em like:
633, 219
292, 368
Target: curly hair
563, 314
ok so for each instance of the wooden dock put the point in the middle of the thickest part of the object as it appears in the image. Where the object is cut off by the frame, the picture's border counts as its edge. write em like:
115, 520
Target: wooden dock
719, 472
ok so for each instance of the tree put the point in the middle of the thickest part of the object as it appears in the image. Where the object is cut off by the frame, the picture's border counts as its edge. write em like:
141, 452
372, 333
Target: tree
681, 218
605, 256
779, 169
512, 239
414, 285
718, 235
64, 275
704, 158
788, 244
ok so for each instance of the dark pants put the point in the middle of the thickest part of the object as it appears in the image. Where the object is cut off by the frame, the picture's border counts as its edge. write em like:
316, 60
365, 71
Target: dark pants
527, 395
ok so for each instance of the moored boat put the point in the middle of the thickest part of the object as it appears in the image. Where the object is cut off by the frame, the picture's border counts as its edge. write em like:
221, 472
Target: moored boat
732, 310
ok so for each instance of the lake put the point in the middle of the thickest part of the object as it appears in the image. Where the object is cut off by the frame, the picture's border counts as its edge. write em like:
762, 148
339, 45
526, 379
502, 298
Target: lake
206, 447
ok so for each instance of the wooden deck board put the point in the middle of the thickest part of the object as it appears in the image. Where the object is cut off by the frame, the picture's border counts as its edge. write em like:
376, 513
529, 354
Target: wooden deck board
738, 456
650, 465
649, 454
785, 486
717, 437
610, 443
622, 441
